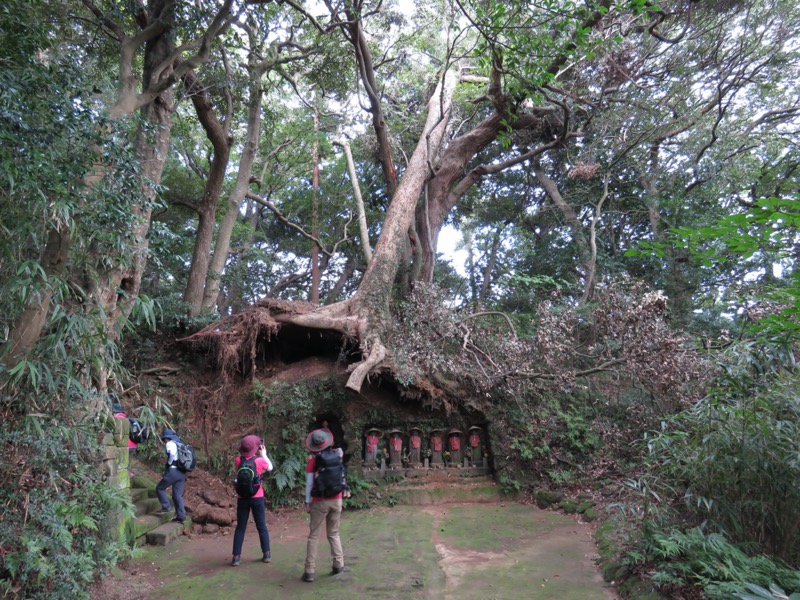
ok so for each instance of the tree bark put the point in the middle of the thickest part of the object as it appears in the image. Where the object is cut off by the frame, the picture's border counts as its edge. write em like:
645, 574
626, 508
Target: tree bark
239, 191
381, 272
218, 136
364, 315
570, 216
363, 229
313, 296
441, 195
491, 261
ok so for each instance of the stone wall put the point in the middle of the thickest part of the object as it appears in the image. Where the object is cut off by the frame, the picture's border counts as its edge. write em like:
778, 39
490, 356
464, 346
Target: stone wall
116, 461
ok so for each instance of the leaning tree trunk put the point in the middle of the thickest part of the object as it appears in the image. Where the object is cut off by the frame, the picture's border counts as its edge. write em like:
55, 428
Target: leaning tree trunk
364, 315
28, 326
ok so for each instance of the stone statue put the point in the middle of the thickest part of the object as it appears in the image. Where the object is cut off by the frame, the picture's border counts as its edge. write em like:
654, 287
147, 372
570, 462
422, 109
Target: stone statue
371, 448
415, 447
436, 448
395, 448
475, 445
454, 445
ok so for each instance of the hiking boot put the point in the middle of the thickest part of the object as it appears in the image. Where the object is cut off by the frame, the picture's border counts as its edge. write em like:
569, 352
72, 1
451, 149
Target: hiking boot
178, 520
267, 556
236, 560
337, 570
163, 511
308, 577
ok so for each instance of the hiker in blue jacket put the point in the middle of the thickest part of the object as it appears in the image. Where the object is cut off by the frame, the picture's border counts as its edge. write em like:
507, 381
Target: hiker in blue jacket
173, 477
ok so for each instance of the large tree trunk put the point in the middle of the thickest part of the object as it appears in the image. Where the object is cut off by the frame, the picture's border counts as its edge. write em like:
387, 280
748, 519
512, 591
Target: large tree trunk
381, 272
313, 295
241, 188
218, 136
585, 256
117, 289
443, 193
363, 229
363, 316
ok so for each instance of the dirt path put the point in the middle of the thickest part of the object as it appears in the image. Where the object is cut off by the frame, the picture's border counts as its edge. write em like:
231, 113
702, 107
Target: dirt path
452, 551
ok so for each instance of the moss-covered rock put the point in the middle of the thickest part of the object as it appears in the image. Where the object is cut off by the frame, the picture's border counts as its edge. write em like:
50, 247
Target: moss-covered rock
584, 506
546, 498
590, 514
568, 506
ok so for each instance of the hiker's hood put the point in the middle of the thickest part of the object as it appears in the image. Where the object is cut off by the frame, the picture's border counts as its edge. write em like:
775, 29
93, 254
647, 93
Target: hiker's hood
168, 434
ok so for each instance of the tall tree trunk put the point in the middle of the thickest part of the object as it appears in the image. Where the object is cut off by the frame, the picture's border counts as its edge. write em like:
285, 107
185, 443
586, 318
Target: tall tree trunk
367, 74
363, 229
491, 261
313, 295
364, 314
117, 289
207, 210
443, 193
571, 217
381, 272
239, 191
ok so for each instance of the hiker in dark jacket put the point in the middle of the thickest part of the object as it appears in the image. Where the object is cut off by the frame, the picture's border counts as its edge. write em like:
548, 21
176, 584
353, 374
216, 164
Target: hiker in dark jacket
252, 447
173, 477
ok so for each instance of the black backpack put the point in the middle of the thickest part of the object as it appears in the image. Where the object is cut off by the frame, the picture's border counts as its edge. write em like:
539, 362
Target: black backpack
186, 459
138, 433
247, 479
329, 474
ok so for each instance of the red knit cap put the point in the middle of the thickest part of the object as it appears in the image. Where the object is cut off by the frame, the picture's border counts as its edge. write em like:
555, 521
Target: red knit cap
249, 445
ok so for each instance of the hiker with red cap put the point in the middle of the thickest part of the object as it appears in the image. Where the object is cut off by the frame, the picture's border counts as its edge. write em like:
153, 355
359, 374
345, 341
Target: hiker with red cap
250, 464
324, 487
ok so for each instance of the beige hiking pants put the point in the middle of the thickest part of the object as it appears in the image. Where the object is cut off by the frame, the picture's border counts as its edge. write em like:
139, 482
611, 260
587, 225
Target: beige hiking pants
328, 512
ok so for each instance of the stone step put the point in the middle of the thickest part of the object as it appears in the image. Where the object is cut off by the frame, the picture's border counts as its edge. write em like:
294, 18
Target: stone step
447, 478
147, 523
139, 494
142, 481
445, 494
146, 506
166, 533
430, 474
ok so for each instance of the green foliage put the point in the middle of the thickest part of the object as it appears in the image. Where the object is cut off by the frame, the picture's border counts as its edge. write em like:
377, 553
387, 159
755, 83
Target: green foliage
286, 484
733, 458
59, 515
62, 534
288, 410
710, 560
756, 592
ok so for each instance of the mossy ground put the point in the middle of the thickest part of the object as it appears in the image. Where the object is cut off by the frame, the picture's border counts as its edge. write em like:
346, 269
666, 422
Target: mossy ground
449, 551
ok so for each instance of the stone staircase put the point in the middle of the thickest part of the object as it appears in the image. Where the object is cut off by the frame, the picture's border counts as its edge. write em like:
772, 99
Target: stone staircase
443, 486
148, 527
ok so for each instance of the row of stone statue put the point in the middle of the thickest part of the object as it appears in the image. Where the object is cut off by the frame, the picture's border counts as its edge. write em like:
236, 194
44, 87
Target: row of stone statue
443, 448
